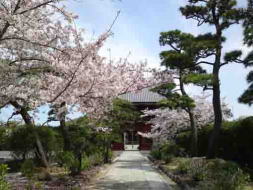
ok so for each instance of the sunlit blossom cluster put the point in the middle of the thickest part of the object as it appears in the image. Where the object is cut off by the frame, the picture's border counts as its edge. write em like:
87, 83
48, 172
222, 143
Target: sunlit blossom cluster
167, 123
45, 59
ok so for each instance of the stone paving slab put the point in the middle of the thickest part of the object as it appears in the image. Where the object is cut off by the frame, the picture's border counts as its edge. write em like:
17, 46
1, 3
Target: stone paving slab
133, 171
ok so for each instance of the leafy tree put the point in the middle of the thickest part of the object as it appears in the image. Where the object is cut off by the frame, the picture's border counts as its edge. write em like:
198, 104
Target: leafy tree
221, 14
83, 142
122, 115
22, 141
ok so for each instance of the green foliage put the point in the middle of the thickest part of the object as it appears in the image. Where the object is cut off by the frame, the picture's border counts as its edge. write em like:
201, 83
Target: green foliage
236, 141
3, 137
28, 168
170, 150
51, 141
221, 14
86, 163
203, 12
233, 56
123, 114
216, 174
156, 154
248, 24
166, 151
22, 140
3, 183
183, 166
199, 79
177, 101
66, 159
96, 158
185, 57
165, 89
222, 175
247, 96
196, 168
180, 39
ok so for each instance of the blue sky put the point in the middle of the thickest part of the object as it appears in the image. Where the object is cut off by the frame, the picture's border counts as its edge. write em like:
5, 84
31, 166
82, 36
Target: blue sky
137, 31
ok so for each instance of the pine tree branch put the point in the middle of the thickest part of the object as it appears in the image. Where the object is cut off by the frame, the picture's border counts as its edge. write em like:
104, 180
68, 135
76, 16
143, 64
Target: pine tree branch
204, 62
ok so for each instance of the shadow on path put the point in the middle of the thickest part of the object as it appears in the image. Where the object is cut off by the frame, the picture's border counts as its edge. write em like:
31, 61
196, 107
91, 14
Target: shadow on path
131, 171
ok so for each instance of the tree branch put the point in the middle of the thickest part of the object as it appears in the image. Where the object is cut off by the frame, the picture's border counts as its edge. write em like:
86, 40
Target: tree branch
70, 81
36, 7
204, 62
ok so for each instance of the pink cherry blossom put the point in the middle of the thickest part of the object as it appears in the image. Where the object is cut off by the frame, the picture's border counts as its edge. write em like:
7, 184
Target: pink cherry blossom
166, 123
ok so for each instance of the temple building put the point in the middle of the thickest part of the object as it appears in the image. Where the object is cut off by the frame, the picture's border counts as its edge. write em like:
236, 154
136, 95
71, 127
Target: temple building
142, 99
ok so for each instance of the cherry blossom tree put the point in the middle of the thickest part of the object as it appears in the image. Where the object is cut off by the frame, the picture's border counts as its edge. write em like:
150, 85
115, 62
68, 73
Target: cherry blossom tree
45, 59
167, 123
31, 34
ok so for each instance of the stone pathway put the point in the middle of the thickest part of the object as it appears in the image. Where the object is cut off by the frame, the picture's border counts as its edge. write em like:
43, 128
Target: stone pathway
133, 171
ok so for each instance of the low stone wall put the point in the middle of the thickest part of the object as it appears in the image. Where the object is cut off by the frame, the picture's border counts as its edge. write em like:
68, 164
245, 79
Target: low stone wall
6, 156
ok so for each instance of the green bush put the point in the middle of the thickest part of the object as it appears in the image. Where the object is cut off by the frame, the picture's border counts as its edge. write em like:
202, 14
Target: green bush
235, 142
96, 159
214, 174
51, 141
183, 166
86, 163
198, 169
28, 168
226, 175
22, 141
3, 138
170, 150
156, 154
3, 183
166, 151
67, 160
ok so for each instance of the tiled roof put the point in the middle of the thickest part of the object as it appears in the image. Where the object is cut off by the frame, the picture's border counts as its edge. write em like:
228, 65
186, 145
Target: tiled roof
142, 96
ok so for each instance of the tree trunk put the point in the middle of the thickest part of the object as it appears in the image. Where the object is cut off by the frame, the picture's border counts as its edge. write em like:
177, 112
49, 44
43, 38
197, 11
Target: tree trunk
80, 163
64, 128
194, 136
27, 118
213, 140
194, 143
65, 134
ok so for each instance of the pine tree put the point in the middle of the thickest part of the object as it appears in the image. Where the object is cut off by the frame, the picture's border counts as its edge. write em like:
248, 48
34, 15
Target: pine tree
183, 61
221, 14
247, 96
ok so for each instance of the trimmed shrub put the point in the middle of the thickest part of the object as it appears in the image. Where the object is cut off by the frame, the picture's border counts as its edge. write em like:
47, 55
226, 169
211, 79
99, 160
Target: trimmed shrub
235, 143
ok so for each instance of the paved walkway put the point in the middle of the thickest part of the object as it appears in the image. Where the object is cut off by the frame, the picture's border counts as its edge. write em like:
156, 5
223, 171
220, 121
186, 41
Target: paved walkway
133, 171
